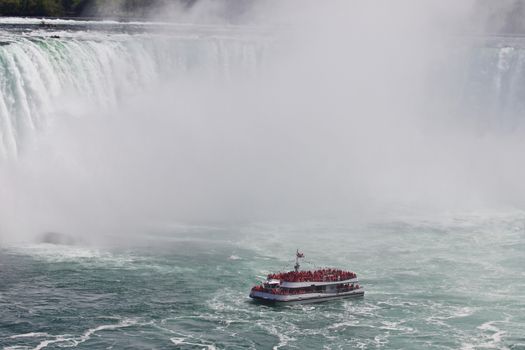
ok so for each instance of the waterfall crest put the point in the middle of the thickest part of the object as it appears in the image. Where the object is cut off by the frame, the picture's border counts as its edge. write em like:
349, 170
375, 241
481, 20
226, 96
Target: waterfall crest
38, 73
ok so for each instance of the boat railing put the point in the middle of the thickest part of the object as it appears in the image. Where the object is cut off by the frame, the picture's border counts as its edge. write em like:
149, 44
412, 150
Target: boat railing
326, 275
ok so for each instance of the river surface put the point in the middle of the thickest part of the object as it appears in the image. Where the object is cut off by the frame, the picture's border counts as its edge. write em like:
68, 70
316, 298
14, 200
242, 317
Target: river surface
456, 283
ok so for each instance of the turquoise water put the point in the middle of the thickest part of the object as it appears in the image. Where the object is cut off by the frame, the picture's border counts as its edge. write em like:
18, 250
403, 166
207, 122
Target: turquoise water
452, 283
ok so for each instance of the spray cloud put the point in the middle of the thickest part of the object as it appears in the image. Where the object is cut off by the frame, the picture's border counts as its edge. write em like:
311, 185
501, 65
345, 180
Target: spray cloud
336, 110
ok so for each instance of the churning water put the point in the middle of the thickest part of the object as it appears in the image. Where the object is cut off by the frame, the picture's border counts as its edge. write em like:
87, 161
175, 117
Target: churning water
452, 284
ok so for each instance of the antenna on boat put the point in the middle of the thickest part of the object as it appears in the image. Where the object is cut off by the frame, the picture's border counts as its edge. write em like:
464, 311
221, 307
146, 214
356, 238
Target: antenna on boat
297, 256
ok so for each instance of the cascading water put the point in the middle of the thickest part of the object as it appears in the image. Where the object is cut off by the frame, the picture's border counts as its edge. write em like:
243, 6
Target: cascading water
40, 74
487, 83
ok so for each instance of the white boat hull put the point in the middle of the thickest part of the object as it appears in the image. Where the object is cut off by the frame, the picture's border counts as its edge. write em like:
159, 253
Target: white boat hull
304, 298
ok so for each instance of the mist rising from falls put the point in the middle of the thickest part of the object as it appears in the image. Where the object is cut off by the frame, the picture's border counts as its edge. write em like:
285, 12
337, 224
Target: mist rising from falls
336, 117
481, 83
91, 119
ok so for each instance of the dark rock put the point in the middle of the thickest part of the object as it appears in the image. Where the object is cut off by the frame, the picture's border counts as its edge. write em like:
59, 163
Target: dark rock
56, 238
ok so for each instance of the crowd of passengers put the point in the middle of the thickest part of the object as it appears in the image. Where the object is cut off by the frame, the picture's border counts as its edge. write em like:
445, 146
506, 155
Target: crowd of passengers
295, 291
325, 275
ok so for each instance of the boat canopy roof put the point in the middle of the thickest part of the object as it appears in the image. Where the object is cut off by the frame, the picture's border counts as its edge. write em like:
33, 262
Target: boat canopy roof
273, 281
321, 275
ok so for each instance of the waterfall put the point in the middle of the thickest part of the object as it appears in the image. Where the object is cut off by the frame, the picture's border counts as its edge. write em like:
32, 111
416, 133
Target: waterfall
487, 84
41, 74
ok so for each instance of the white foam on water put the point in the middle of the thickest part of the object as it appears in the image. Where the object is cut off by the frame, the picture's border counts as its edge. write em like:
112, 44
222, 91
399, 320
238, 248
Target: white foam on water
307, 307
57, 253
181, 338
231, 307
463, 312
491, 337
497, 333
30, 335
227, 299
350, 323
361, 309
397, 303
381, 340
284, 339
182, 341
46, 343
396, 326
68, 340
440, 314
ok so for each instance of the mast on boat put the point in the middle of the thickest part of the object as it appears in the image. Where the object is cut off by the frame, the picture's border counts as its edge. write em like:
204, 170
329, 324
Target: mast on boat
297, 256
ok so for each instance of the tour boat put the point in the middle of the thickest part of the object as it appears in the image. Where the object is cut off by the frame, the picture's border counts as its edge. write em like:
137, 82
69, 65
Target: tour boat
297, 286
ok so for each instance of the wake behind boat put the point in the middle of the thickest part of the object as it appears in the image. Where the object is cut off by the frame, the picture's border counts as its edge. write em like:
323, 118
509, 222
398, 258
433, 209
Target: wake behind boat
296, 286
